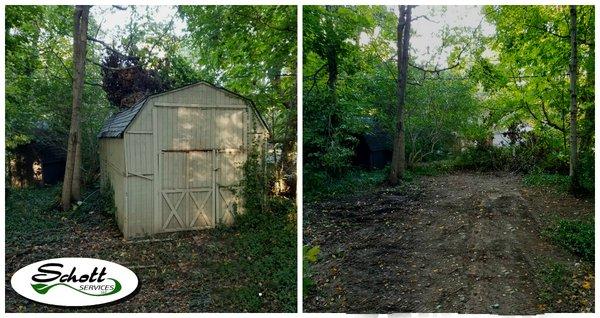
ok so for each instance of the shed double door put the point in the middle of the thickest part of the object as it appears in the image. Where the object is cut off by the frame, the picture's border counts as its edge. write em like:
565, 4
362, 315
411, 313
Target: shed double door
187, 191
198, 188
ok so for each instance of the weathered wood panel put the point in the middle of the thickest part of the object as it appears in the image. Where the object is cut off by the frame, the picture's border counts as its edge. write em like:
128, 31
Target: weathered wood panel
112, 163
179, 164
200, 93
181, 128
140, 200
140, 153
229, 128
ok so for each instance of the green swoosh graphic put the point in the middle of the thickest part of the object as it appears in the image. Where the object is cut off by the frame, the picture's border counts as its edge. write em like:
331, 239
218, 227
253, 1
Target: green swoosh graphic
43, 288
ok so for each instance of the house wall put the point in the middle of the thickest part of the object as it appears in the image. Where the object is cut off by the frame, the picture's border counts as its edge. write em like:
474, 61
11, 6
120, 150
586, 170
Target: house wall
112, 167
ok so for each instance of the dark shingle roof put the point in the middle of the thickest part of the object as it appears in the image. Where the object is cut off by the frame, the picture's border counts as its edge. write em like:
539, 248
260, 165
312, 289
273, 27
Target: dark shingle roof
376, 137
116, 124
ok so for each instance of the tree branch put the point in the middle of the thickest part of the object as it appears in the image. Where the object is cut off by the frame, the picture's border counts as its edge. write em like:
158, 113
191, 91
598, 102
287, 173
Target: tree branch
112, 68
110, 48
423, 17
314, 78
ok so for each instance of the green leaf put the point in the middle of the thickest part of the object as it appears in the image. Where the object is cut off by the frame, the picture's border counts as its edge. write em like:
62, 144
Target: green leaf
312, 253
40, 288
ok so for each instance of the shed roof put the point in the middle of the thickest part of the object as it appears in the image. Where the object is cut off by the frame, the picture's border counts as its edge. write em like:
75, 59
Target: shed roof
376, 137
115, 125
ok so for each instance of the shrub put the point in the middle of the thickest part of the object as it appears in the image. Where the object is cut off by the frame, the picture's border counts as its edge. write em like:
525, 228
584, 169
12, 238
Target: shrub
539, 178
576, 236
310, 257
320, 186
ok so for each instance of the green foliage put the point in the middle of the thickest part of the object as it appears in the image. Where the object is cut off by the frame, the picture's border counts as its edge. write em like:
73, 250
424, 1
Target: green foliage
255, 181
577, 236
264, 238
336, 70
31, 210
38, 77
530, 81
310, 257
321, 186
538, 178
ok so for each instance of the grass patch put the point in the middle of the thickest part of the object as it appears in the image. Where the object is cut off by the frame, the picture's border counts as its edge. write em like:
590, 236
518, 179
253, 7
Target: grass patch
577, 236
558, 182
320, 186
564, 288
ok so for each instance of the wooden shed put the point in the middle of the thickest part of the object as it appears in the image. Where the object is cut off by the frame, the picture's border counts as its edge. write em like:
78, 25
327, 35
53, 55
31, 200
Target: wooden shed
374, 148
174, 160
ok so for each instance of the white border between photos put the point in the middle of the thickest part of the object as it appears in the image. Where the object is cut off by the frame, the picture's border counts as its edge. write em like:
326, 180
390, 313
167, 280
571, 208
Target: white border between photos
299, 4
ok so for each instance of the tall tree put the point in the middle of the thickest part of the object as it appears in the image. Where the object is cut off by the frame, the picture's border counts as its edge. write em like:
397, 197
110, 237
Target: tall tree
573, 169
252, 50
398, 164
72, 180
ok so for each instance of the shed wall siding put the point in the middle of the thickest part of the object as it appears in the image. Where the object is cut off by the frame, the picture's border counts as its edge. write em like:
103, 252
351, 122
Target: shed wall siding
179, 145
139, 152
112, 161
199, 94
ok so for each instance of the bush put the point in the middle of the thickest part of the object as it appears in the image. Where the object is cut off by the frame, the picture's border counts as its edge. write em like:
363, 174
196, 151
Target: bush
310, 257
433, 168
576, 236
539, 178
319, 185
483, 158
263, 243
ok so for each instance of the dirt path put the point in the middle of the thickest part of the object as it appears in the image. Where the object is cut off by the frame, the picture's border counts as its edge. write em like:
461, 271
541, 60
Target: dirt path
464, 242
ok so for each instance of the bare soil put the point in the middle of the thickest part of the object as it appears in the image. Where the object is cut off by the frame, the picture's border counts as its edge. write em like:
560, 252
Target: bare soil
461, 242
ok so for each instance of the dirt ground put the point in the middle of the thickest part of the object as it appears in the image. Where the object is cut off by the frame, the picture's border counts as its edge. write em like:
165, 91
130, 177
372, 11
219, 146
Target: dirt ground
193, 271
462, 242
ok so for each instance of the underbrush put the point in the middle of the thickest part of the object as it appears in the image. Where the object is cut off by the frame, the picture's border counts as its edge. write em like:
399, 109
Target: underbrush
577, 236
261, 273
543, 166
433, 168
539, 178
319, 186
565, 288
30, 209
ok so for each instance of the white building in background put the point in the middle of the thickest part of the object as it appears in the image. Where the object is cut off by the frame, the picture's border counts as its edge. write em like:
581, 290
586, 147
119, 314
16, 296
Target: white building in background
501, 140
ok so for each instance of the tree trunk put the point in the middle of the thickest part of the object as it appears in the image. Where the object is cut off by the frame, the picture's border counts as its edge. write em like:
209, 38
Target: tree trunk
398, 164
332, 72
573, 164
80, 16
76, 183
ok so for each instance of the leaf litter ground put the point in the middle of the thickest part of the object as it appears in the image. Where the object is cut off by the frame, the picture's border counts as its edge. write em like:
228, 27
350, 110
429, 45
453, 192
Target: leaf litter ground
194, 271
461, 242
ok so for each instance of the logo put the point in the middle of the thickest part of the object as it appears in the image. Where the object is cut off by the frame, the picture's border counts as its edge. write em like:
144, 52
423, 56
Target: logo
74, 282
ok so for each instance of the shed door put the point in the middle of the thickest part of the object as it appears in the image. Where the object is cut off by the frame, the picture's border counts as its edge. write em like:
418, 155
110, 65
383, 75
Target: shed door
230, 173
187, 190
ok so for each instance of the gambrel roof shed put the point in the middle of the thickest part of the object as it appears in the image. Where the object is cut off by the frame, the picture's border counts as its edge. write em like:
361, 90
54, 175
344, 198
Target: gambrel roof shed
174, 160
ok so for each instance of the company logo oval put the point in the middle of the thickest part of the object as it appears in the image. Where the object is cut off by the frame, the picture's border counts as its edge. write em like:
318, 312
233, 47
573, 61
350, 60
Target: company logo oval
74, 282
